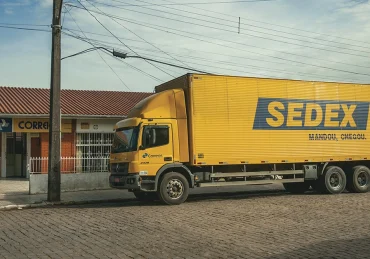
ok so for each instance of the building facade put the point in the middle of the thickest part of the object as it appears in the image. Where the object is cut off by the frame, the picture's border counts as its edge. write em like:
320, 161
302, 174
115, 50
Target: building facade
88, 118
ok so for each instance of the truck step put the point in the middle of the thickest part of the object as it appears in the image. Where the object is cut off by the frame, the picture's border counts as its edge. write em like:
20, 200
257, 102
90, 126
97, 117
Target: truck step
261, 173
254, 182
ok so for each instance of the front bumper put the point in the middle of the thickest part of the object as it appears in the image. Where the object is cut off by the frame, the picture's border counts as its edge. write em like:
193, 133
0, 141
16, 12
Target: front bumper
124, 182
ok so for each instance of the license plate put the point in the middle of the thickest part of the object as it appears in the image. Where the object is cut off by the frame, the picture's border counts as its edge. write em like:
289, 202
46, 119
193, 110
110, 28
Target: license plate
116, 180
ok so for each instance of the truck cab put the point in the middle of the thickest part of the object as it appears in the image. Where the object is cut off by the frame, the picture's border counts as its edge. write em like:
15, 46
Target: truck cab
151, 141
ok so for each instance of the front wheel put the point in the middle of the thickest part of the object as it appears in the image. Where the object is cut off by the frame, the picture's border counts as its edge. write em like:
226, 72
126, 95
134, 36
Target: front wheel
173, 188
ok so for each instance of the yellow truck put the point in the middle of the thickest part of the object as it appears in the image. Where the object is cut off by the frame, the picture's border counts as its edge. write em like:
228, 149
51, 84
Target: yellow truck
209, 130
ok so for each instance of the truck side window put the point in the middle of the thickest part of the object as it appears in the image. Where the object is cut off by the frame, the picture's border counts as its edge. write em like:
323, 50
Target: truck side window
155, 136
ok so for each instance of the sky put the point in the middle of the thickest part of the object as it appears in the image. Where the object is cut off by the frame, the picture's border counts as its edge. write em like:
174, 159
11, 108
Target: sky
320, 40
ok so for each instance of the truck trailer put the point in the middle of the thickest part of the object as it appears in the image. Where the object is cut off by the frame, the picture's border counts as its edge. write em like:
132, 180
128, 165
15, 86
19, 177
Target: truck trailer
211, 130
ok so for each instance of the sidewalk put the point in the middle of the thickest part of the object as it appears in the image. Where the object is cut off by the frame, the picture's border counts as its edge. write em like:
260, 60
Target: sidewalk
20, 200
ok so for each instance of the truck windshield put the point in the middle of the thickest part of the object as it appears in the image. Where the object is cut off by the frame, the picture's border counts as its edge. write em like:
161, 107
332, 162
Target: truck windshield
125, 140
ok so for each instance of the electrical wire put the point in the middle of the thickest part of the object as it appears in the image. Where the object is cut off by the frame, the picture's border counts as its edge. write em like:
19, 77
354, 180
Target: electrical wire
23, 28
273, 24
131, 66
99, 53
145, 40
165, 29
207, 3
24, 24
236, 23
150, 52
228, 41
83, 52
209, 52
233, 26
90, 12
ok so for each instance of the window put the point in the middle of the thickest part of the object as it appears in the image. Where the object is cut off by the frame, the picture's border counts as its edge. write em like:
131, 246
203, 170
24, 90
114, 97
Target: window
125, 140
155, 136
93, 150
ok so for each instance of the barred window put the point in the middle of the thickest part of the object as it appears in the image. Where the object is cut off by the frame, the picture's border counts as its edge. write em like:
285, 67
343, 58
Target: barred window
94, 149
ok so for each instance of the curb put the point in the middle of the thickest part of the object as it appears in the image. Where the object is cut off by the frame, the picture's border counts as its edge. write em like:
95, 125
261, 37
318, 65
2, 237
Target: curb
61, 203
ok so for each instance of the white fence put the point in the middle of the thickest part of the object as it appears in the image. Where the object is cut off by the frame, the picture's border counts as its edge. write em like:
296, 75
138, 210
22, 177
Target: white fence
38, 165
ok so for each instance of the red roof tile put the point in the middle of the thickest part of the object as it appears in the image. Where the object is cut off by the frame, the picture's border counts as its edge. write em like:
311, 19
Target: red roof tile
19, 100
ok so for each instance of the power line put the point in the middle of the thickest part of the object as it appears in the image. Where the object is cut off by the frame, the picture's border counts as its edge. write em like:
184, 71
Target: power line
273, 24
251, 66
23, 28
230, 26
260, 73
235, 64
83, 52
157, 27
24, 24
203, 14
99, 53
142, 38
116, 36
131, 66
247, 34
207, 3
209, 52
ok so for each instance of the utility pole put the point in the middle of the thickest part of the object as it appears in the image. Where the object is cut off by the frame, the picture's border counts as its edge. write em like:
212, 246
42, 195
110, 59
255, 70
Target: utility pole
54, 111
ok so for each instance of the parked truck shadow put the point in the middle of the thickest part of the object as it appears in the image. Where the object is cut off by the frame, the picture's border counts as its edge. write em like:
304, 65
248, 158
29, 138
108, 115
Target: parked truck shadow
192, 199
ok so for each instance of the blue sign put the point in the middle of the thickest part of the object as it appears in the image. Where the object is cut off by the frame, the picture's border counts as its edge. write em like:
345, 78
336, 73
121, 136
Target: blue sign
293, 114
6, 125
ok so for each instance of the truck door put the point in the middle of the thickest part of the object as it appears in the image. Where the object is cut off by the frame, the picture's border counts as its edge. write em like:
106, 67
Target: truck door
157, 146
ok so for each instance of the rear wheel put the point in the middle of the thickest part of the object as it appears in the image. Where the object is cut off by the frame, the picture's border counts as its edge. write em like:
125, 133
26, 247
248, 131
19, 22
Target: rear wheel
145, 196
332, 181
173, 188
358, 180
297, 188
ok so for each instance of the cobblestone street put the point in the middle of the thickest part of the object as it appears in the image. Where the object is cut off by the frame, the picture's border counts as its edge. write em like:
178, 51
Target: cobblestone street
245, 225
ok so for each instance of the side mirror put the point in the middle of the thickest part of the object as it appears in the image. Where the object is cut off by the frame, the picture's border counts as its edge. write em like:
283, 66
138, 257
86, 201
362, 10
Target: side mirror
141, 147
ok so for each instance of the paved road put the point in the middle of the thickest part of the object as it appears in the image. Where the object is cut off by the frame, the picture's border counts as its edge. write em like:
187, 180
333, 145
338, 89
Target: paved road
246, 225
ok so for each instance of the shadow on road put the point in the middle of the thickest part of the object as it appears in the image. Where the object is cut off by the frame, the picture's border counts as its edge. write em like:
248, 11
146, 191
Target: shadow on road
192, 199
351, 248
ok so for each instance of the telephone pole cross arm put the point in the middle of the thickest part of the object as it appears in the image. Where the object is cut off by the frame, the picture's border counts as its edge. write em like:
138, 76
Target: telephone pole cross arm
54, 111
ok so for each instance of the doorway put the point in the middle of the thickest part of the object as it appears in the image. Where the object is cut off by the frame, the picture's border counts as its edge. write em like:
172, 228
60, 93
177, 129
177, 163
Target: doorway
16, 155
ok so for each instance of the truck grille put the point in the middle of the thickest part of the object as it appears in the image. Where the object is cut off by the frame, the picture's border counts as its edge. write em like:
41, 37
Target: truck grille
119, 169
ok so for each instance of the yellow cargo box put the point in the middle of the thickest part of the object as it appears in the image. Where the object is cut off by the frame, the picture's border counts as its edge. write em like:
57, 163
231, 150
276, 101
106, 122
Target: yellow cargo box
242, 120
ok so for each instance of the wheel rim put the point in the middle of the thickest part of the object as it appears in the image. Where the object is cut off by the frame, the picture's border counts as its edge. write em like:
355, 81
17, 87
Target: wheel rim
363, 179
175, 189
336, 181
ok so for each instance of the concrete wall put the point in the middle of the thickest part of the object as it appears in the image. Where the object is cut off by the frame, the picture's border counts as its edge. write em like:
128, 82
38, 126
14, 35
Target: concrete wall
71, 182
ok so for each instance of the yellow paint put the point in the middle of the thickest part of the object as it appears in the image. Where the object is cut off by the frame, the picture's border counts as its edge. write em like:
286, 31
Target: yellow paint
167, 109
309, 122
255, 120
273, 109
38, 125
331, 113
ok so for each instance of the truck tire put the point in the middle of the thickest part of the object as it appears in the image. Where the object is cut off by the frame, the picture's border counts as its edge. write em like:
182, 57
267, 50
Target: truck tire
173, 189
358, 180
297, 188
332, 181
146, 196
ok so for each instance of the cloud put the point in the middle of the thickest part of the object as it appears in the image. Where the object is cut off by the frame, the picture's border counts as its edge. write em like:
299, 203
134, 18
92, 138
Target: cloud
261, 49
8, 11
45, 3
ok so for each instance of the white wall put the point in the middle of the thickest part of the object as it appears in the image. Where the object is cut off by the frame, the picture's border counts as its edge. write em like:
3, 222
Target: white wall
97, 126
71, 182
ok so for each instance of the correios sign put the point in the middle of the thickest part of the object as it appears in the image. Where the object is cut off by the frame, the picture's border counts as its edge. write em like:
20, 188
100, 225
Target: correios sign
38, 125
